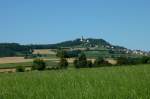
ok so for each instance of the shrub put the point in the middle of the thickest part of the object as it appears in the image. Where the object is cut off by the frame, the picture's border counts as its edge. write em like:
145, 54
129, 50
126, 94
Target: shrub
82, 57
76, 63
132, 61
20, 69
63, 63
61, 54
39, 64
148, 62
89, 63
81, 62
122, 60
101, 62
145, 60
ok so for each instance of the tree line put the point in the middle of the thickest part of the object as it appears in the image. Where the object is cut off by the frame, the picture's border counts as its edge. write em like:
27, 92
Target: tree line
82, 62
13, 49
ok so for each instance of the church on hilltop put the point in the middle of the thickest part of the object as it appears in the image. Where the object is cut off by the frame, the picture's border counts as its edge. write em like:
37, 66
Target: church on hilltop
84, 40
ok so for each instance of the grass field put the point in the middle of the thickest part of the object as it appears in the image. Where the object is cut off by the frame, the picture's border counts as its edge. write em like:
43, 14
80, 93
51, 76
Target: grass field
126, 82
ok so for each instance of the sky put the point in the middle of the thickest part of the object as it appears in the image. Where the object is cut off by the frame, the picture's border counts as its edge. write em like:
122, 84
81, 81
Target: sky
120, 22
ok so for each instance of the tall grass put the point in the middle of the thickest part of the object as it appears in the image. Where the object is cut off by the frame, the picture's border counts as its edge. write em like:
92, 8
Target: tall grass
127, 82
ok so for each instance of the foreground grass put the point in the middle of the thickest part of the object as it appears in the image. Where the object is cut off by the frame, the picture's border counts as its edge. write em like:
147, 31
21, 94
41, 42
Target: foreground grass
130, 82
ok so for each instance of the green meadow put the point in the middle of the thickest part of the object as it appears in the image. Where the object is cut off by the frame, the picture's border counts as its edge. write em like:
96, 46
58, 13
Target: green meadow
49, 63
122, 82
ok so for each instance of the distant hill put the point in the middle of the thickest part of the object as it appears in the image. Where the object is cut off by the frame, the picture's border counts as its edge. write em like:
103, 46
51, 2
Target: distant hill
13, 49
78, 43
89, 42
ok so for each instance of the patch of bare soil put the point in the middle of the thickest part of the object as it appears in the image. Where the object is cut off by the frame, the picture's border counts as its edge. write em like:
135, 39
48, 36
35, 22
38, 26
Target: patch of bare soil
7, 70
112, 61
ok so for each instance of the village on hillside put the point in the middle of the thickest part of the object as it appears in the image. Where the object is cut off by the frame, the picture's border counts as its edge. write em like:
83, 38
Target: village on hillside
86, 44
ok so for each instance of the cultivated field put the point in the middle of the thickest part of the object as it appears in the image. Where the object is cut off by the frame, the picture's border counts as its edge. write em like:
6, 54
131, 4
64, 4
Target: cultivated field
43, 51
11, 67
21, 60
14, 60
128, 82
50, 56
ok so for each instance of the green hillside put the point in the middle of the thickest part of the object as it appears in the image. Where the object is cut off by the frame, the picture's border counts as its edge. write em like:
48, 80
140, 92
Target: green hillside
14, 49
76, 43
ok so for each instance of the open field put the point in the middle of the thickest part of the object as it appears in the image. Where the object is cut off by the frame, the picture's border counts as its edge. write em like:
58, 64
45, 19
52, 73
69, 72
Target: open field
128, 82
43, 51
95, 54
49, 61
14, 60
6, 60
112, 61
50, 55
11, 67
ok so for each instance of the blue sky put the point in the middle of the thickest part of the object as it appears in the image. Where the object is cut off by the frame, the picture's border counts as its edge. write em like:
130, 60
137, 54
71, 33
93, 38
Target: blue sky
121, 22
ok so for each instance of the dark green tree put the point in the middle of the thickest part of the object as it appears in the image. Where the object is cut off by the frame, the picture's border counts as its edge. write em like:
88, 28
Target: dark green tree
81, 62
39, 64
63, 63
20, 69
145, 59
100, 61
61, 54
89, 63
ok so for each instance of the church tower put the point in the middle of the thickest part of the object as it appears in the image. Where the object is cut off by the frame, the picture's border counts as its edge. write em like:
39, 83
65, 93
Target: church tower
82, 39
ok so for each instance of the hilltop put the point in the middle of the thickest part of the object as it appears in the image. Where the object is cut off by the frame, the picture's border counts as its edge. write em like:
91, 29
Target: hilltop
82, 43
15, 49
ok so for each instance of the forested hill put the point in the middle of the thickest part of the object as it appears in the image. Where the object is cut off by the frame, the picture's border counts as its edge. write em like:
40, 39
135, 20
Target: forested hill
90, 42
77, 42
73, 43
13, 49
